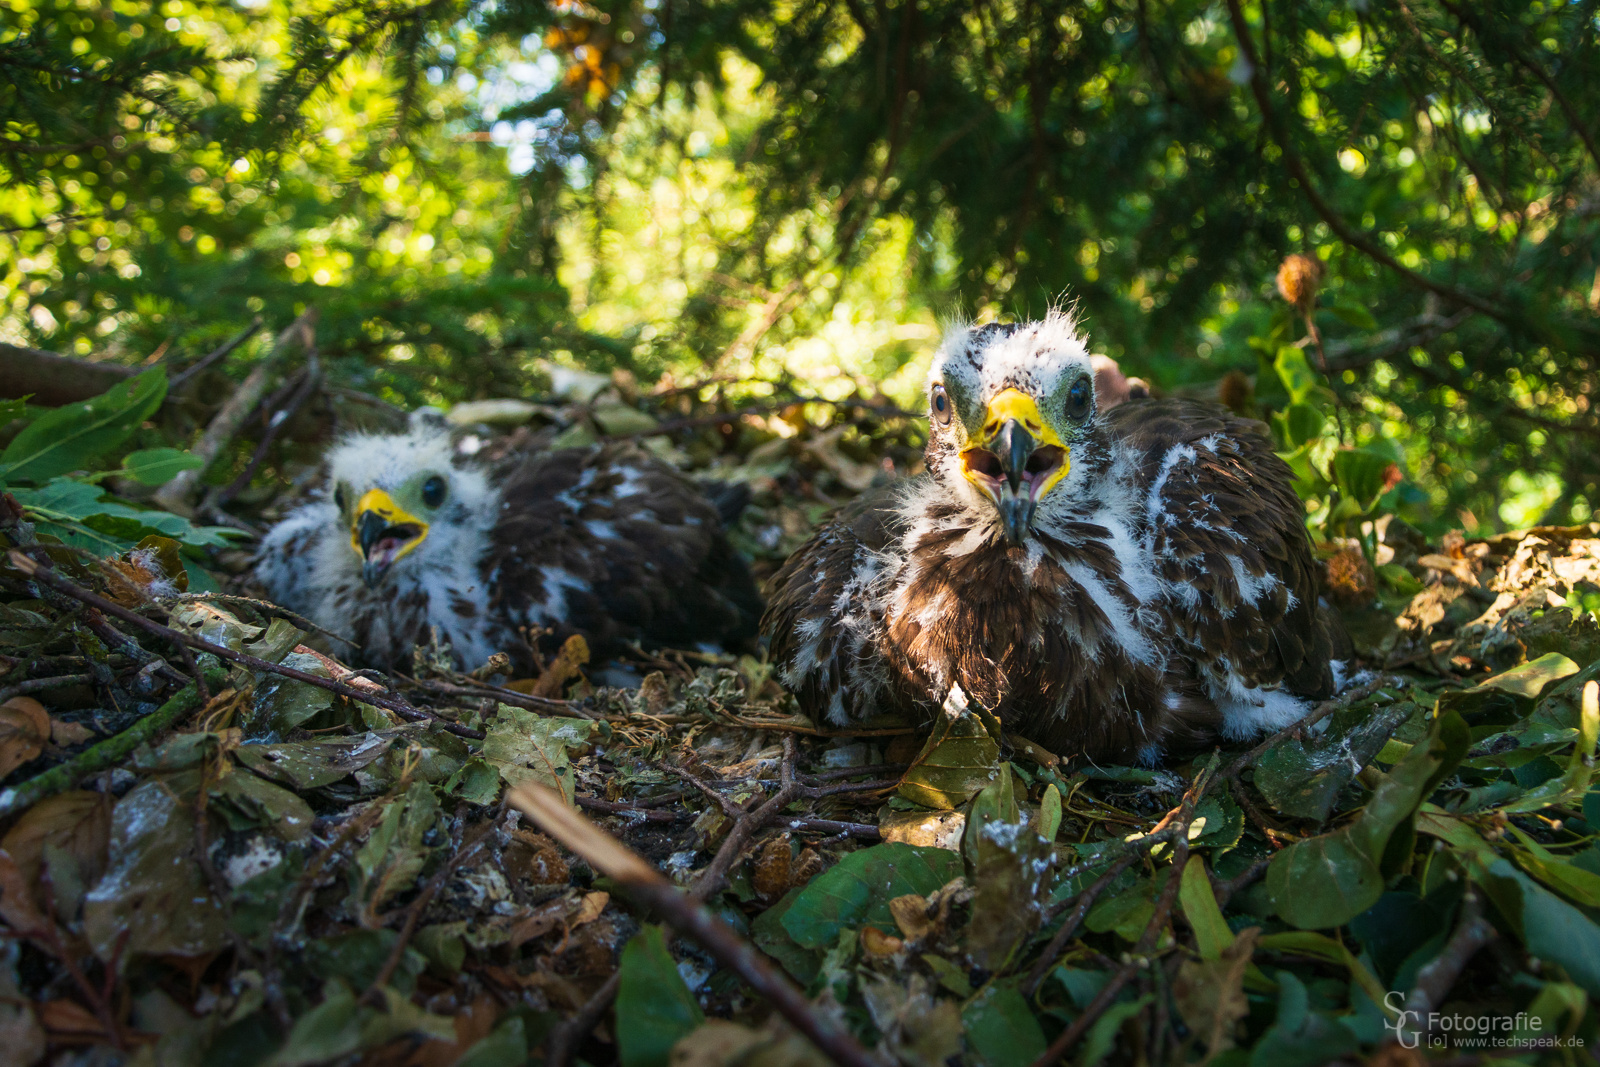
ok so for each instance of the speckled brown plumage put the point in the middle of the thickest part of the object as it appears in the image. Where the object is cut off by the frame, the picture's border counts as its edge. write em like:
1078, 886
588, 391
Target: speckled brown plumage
608, 542
1164, 593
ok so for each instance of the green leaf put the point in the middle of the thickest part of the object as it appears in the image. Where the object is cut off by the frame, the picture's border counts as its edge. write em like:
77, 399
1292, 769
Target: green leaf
1326, 881
1303, 778
313, 764
1323, 881
1050, 813
856, 891
768, 932
1355, 315
1299, 423
654, 1006
1362, 475
328, 1031
158, 466
85, 516
1551, 928
1211, 932
1008, 861
153, 892
1530, 678
505, 1046
1000, 1027
1300, 1037
13, 409
67, 438
1296, 374
959, 758
525, 747
1102, 1036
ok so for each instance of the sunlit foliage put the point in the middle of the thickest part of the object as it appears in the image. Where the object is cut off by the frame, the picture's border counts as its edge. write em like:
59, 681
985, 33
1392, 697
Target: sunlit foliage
742, 188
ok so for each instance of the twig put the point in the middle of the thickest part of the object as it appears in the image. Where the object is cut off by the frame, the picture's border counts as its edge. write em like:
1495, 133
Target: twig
265, 607
1297, 170
34, 685
632, 812
715, 876
1083, 902
305, 385
1179, 824
219, 353
381, 700
558, 1047
1274, 835
174, 496
1097, 1007
1316, 715
609, 856
889, 411
1225, 890
414, 911
99, 757
1435, 979
548, 705
865, 831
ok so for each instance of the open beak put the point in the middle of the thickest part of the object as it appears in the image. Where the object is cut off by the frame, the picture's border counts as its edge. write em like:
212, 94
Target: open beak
1015, 460
382, 532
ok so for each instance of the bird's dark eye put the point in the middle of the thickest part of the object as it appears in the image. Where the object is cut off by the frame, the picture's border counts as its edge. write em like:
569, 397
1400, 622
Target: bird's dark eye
1079, 398
940, 404
433, 491
341, 499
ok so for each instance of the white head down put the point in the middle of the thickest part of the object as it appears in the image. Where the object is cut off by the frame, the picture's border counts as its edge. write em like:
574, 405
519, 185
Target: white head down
1007, 405
408, 505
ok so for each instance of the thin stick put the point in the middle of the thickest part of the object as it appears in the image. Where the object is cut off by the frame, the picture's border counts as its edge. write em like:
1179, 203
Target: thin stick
609, 856
34, 685
218, 353
1084, 901
381, 700
548, 705
174, 496
414, 911
99, 757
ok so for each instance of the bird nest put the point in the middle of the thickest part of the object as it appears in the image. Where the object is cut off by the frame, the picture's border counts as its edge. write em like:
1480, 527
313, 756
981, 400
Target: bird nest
222, 844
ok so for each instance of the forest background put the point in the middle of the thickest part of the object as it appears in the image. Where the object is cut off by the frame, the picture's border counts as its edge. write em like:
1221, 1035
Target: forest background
786, 199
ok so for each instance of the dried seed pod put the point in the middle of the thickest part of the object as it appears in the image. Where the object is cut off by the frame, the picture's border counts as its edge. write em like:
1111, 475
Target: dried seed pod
1298, 278
1351, 580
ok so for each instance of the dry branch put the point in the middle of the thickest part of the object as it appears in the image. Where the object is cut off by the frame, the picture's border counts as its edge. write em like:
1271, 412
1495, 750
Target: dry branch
175, 495
692, 919
53, 380
383, 700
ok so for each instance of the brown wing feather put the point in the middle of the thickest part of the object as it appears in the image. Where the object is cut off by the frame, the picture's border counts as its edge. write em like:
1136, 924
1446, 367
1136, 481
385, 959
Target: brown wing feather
624, 546
1234, 504
819, 615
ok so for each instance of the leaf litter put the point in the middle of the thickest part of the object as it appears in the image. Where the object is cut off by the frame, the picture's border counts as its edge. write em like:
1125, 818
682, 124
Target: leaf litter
258, 855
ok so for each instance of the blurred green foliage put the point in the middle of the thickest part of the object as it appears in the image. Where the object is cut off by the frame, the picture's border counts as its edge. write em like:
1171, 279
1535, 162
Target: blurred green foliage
749, 189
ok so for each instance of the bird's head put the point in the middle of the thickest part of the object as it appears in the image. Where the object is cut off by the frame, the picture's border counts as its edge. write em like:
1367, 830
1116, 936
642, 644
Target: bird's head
406, 500
1007, 406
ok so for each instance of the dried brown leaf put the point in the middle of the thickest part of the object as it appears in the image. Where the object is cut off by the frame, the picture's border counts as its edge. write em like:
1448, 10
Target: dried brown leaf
774, 868
1210, 993
66, 734
24, 729
77, 822
567, 665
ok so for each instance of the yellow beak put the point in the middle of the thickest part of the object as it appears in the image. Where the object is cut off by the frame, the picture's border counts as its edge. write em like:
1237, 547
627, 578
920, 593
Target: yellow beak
381, 532
1015, 459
